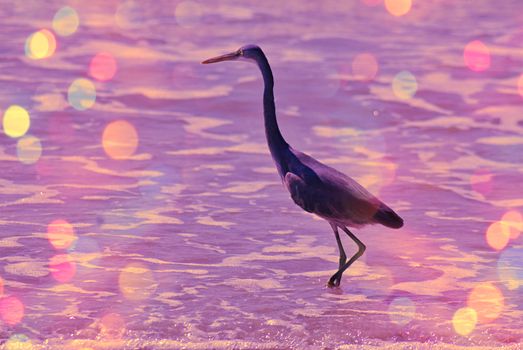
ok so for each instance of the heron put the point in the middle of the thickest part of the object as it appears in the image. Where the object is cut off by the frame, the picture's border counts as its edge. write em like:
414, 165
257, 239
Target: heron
315, 187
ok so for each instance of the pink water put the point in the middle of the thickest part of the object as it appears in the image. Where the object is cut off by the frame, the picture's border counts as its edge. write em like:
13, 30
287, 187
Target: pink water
191, 241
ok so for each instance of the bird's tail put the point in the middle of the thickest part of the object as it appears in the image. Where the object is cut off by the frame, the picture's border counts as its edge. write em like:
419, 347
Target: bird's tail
388, 217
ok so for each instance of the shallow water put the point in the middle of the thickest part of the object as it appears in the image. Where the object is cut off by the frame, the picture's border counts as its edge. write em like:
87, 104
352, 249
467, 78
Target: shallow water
190, 240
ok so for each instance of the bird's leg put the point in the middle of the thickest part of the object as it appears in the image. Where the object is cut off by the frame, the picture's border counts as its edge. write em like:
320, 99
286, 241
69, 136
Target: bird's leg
335, 280
343, 256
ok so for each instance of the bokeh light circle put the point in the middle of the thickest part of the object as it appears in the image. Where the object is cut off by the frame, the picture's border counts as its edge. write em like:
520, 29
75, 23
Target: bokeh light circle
476, 56
514, 221
103, 66
510, 268
120, 139
16, 121
404, 85
65, 21
81, 94
188, 13
18, 342
11, 310
62, 267
60, 234
136, 282
464, 320
398, 7
487, 300
112, 326
28, 149
498, 235
40, 44
364, 67
401, 311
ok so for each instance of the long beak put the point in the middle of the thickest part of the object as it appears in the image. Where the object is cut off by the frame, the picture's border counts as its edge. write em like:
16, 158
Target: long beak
227, 57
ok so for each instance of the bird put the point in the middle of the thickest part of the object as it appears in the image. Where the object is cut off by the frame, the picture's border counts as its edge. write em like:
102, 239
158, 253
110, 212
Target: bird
315, 187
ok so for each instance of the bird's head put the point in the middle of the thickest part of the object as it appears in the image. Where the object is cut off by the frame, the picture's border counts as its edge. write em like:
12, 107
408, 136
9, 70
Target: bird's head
247, 52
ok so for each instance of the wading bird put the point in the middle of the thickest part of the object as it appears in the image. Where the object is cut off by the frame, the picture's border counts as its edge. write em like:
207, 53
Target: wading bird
316, 187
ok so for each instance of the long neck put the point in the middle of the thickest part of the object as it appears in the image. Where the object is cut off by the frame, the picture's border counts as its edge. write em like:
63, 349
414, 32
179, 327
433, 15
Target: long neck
277, 143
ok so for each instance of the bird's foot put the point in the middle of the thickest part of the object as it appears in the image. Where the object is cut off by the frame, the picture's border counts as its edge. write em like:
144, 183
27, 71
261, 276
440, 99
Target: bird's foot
334, 281
331, 285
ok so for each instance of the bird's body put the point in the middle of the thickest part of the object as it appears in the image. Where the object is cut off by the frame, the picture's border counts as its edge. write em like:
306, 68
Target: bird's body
332, 195
314, 186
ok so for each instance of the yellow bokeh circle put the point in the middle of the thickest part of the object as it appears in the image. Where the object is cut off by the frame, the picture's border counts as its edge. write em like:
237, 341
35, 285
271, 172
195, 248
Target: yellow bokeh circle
398, 7
16, 121
18, 342
40, 44
464, 320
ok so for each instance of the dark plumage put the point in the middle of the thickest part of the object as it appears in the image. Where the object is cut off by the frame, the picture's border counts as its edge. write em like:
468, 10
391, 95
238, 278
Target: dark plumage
314, 186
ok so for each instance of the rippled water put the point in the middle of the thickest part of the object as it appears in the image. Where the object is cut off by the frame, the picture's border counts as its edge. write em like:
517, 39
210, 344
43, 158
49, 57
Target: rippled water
190, 241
